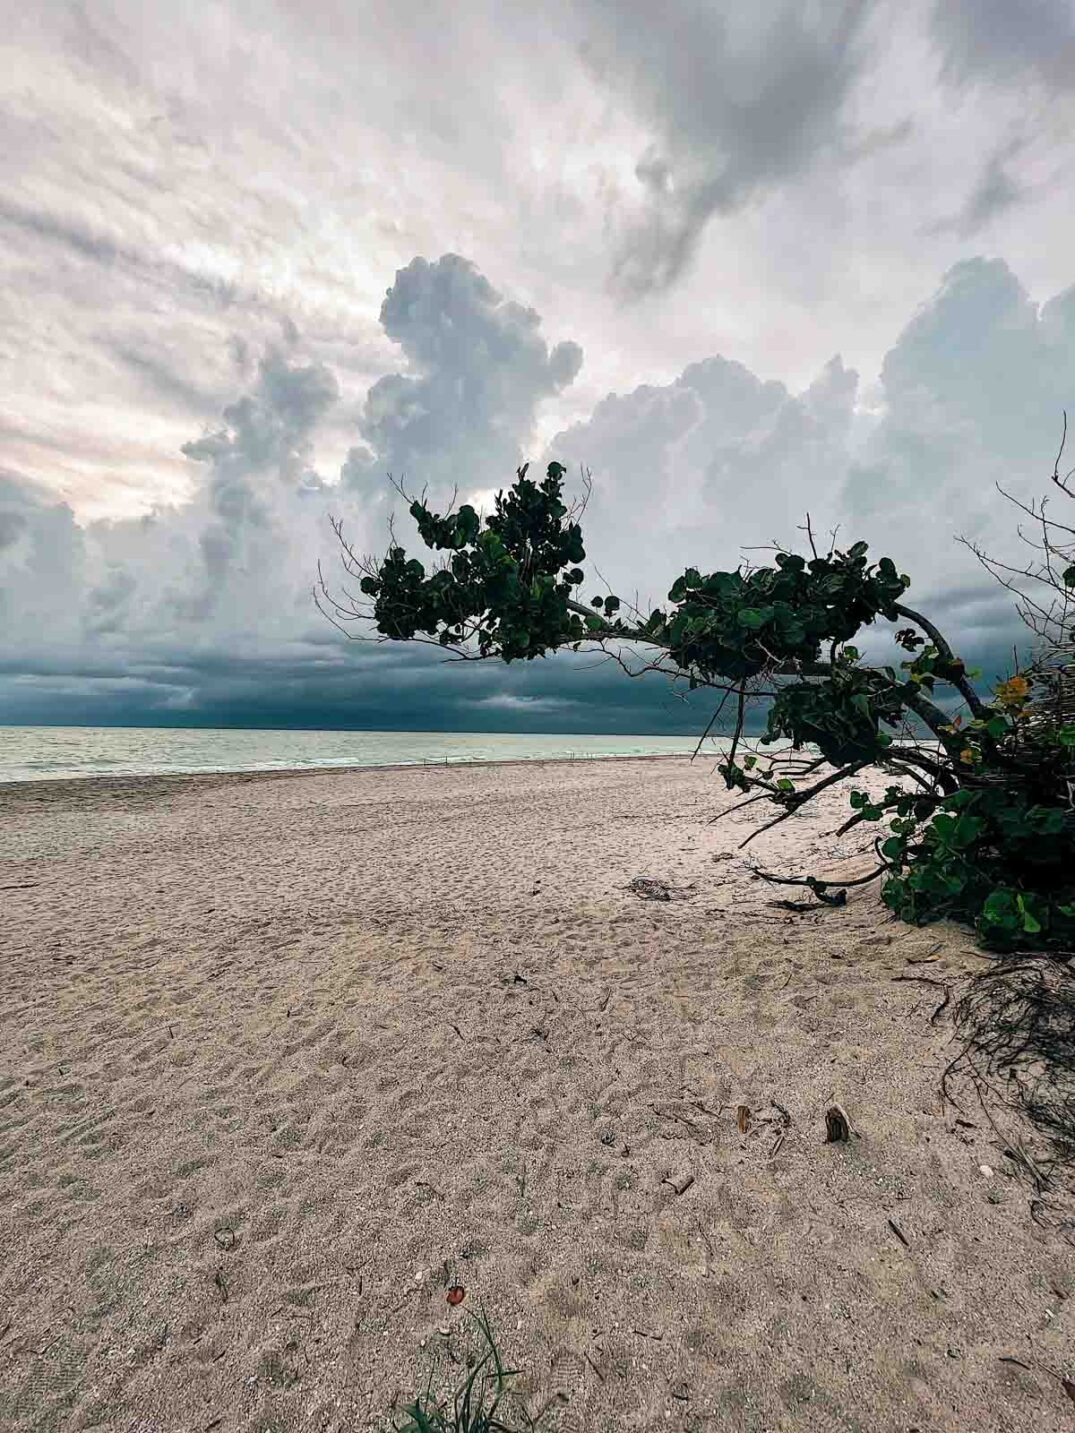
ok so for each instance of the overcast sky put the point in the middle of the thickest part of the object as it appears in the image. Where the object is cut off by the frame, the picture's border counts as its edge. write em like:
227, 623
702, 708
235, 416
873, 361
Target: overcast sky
739, 262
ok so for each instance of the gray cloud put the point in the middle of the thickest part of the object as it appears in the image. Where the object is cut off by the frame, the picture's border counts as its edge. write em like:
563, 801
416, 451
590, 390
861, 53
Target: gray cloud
202, 613
973, 394
993, 39
268, 437
740, 100
481, 370
779, 178
713, 461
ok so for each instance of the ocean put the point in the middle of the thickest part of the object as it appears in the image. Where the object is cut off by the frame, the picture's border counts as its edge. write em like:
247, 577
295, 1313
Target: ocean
35, 753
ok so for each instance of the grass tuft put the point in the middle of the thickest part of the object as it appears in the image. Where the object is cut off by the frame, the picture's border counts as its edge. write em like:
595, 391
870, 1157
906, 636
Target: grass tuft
477, 1405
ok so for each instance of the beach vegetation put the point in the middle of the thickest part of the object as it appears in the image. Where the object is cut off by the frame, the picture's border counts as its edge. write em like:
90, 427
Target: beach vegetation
484, 1401
979, 827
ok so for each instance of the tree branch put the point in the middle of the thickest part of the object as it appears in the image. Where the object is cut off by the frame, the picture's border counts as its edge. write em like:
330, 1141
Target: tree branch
967, 691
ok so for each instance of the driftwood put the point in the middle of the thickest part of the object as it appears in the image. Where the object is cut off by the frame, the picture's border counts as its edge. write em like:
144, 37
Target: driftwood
837, 1125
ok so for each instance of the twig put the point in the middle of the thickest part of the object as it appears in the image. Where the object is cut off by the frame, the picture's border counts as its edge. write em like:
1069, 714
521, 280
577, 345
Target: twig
594, 1366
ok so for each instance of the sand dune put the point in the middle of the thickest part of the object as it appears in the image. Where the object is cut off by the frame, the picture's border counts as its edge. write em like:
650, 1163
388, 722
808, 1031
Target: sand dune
284, 1057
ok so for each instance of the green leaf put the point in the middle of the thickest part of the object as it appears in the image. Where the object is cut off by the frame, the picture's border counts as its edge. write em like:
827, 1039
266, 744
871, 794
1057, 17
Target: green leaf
1000, 910
751, 617
785, 785
1030, 925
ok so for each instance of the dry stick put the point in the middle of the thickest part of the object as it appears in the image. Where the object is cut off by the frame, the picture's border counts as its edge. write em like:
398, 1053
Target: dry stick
900, 1235
594, 1366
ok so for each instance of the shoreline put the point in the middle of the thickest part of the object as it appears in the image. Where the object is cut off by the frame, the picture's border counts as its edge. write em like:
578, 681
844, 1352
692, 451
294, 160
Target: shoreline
246, 774
243, 774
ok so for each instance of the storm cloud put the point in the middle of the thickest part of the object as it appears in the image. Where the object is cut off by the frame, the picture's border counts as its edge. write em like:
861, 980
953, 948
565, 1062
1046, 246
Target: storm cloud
738, 266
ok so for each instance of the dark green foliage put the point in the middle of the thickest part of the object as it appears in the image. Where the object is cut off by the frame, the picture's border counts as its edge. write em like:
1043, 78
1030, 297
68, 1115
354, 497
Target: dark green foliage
1000, 852
477, 1405
504, 586
732, 625
987, 835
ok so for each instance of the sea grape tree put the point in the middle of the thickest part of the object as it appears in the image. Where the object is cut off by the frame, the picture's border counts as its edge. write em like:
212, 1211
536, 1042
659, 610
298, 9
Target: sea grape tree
980, 827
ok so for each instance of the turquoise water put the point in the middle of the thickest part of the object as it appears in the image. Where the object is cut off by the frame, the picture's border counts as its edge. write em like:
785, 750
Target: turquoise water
34, 753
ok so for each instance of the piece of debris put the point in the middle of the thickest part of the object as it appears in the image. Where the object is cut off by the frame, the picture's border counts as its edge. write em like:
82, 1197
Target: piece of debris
742, 1118
679, 1182
930, 954
837, 1125
900, 1235
456, 1294
650, 890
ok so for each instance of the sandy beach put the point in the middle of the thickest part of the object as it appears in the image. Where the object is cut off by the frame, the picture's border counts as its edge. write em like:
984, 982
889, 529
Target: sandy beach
284, 1057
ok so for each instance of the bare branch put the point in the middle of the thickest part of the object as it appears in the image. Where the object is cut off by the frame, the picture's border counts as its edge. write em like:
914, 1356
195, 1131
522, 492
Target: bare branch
809, 880
794, 799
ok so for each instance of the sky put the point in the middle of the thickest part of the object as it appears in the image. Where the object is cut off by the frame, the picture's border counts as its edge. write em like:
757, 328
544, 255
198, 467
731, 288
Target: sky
735, 263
